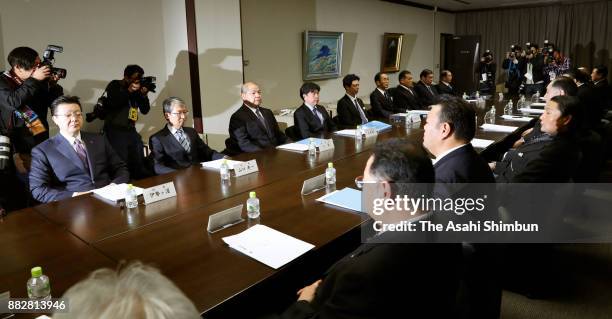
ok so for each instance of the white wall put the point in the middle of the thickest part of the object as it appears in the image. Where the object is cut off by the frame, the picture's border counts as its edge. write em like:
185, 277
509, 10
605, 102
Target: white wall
100, 38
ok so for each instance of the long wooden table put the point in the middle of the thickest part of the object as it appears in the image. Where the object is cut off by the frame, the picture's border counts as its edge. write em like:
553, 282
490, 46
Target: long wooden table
73, 237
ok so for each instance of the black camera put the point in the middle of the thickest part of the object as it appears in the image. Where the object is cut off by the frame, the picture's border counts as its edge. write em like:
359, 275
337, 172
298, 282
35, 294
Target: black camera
5, 151
99, 110
148, 82
48, 59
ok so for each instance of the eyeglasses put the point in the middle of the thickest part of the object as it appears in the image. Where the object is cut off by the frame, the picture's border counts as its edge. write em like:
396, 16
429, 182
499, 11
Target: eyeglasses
70, 115
177, 114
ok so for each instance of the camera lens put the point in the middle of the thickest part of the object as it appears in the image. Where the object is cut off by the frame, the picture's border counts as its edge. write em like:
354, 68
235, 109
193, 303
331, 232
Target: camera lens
5, 151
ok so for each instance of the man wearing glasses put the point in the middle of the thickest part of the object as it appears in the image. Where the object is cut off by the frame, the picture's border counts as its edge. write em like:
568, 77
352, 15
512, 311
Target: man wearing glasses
175, 147
72, 162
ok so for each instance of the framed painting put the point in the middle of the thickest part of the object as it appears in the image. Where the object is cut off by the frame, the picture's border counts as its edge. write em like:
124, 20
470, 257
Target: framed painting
322, 57
391, 52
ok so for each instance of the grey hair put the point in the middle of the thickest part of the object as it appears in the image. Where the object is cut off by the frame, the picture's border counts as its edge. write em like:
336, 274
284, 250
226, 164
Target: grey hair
245, 87
167, 104
136, 291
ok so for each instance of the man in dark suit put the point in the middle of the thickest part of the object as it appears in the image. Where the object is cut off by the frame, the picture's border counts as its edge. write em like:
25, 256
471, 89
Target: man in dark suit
425, 90
351, 110
312, 119
73, 162
444, 86
593, 112
358, 285
601, 87
404, 96
174, 146
253, 128
380, 99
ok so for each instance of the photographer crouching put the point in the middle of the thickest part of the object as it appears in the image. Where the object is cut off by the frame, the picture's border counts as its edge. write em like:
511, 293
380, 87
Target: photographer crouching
26, 92
124, 100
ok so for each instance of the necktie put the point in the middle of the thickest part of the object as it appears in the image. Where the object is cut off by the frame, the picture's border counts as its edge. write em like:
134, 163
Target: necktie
263, 121
316, 114
387, 96
180, 134
82, 153
364, 119
410, 90
430, 91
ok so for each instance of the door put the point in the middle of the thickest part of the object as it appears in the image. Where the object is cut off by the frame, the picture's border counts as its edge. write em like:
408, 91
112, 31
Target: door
461, 56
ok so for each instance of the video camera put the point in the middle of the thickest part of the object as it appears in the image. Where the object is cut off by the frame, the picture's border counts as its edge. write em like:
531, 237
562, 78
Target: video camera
48, 59
149, 83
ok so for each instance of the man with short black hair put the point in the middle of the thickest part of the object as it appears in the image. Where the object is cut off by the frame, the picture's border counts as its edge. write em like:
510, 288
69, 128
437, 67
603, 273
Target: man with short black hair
404, 96
444, 86
425, 89
72, 162
380, 98
312, 119
351, 109
601, 87
176, 146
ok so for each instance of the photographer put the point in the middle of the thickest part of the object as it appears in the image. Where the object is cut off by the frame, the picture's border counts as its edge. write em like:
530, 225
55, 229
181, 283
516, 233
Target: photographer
125, 98
511, 65
532, 68
486, 72
26, 92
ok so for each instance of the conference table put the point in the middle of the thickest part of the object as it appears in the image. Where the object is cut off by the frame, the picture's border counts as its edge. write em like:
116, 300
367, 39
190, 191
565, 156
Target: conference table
73, 237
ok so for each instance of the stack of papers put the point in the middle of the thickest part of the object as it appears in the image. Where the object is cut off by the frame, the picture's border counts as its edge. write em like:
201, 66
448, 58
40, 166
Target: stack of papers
517, 118
480, 143
349, 133
535, 111
301, 146
115, 192
216, 164
498, 128
346, 198
268, 246
378, 126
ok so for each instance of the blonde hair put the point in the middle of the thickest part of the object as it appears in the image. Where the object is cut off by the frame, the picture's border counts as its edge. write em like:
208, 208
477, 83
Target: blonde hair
136, 291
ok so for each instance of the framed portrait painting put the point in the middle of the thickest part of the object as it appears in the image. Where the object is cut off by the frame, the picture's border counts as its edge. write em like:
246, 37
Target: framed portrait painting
391, 52
322, 56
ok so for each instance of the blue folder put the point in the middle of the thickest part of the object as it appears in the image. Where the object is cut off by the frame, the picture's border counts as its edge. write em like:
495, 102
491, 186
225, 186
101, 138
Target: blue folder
378, 126
346, 198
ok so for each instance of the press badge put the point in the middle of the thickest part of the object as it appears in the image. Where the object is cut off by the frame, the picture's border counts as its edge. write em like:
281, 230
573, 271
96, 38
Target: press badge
133, 115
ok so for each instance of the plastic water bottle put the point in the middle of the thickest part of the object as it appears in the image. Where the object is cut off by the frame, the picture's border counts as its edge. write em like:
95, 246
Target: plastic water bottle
131, 199
477, 95
224, 171
501, 96
38, 286
252, 206
536, 97
508, 108
465, 96
312, 149
492, 118
520, 104
358, 133
330, 174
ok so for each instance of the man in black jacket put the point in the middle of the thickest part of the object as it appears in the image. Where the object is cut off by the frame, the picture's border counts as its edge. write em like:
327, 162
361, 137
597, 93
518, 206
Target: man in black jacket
252, 127
381, 99
312, 119
176, 146
404, 96
444, 86
351, 110
532, 68
425, 90
601, 87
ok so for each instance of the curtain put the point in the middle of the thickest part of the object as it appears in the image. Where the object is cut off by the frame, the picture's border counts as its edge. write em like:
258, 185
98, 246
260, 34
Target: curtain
582, 31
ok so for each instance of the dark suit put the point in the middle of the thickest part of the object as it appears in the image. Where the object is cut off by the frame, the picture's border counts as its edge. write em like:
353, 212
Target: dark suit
348, 115
404, 100
57, 171
426, 97
382, 107
248, 134
593, 108
309, 125
361, 284
443, 88
603, 95
463, 165
169, 155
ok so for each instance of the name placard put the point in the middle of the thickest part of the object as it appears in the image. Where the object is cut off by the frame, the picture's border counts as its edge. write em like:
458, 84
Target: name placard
314, 184
159, 192
225, 219
245, 168
326, 145
370, 132
413, 118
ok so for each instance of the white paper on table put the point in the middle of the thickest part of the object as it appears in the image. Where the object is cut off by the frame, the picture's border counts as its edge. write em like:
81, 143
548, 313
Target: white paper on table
296, 147
115, 192
350, 133
498, 128
517, 118
216, 164
540, 104
419, 112
481, 143
268, 245
535, 111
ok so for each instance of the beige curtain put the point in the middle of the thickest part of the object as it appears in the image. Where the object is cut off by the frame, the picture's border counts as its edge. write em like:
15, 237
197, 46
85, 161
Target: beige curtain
583, 31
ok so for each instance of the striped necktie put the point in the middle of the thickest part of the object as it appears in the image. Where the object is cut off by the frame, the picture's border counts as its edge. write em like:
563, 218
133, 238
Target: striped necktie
180, 134
82, 153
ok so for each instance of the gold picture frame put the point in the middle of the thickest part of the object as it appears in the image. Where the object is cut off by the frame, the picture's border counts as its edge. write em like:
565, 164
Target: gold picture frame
391, 52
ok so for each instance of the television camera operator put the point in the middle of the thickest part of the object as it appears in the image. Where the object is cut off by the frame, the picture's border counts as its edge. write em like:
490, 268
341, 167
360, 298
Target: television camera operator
26, 92
119, 107
511, 65
486, 73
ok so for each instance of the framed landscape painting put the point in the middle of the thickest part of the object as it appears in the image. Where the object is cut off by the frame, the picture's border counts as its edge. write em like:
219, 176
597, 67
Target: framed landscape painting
391, 52
322, 57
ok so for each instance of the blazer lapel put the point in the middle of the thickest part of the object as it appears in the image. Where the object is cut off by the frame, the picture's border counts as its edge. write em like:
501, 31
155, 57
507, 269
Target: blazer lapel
64, 147
171, 140
90, 148
254, 117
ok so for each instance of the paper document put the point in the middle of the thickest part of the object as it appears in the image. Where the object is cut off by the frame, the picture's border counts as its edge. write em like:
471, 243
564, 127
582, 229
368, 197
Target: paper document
346, 198
317, 141
419, 112
498, 128
535, 111
480, 143
538, 105
115, 192
216, 164
296, 147
517, 118
268, 246
349, 133
378, 126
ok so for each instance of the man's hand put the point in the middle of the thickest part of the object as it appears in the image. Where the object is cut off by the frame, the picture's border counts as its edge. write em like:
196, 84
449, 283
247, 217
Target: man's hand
308, 293
134, 86
41, 73
144, 90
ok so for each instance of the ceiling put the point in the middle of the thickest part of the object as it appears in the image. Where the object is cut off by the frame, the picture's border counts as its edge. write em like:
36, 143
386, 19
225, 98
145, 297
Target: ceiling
462, 5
